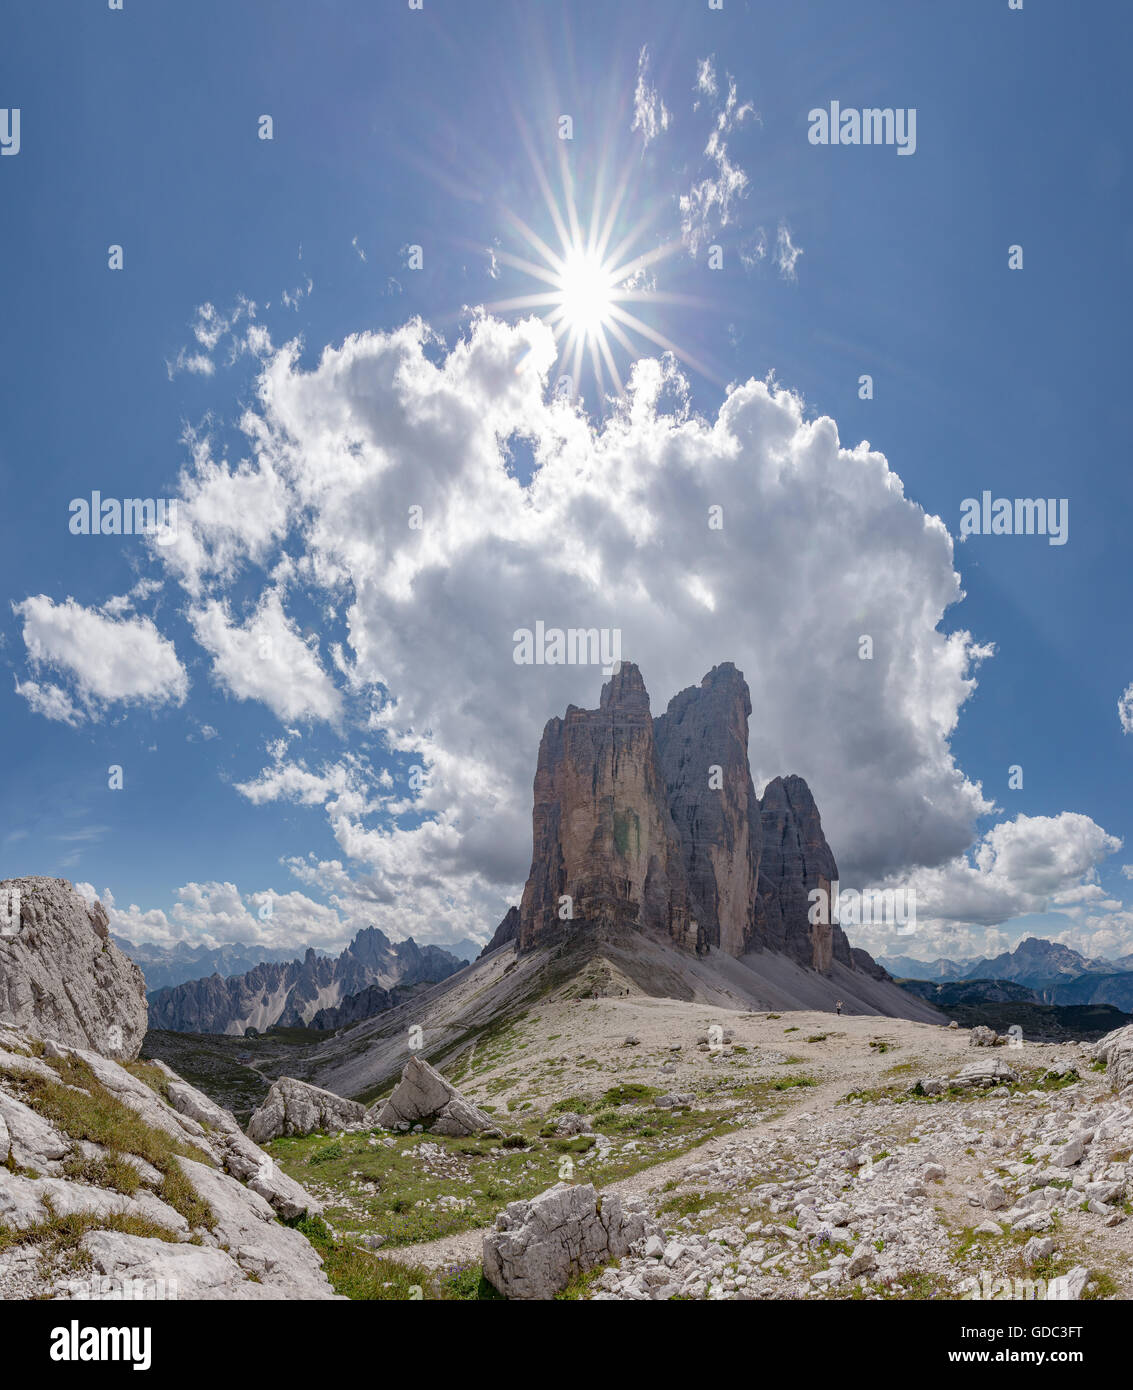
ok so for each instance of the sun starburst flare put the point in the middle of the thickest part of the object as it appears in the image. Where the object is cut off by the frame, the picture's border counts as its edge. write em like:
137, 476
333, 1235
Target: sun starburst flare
590, 283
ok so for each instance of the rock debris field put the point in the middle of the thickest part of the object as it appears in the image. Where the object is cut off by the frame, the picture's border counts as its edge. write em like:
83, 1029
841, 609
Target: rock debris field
898, 1161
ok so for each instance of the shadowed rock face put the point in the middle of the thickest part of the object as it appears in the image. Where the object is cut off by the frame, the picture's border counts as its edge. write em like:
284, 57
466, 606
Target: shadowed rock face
795, 860
702, 745
602, 832
508, 930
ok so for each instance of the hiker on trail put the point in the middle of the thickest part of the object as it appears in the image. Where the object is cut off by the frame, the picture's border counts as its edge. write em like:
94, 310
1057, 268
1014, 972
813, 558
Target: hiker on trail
838, 1006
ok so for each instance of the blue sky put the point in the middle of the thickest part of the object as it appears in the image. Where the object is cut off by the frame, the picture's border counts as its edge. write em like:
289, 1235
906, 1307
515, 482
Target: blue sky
395, 128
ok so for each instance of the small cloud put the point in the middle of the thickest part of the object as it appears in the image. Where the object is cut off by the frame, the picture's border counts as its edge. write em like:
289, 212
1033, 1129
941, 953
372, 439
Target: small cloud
710, 203
754, 250
361, 253
51, 702
786, 254
197, 363
209, 327
706, 78
733, 114
292, 298
650, 114
1125, 709
641, 279
108, 659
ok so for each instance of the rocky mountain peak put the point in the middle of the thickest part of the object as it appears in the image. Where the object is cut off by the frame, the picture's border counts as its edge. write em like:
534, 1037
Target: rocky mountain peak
605, 854
796, 860
702, 745
293, 993
625, 691
654, 825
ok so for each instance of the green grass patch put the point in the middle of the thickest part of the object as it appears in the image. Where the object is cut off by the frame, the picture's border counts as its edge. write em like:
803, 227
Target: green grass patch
691, 1203
632, 1093
364, 1277
111, 1170
80, 1105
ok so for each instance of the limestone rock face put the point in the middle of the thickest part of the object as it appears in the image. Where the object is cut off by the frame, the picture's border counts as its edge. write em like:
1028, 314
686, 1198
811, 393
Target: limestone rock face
241, 1185
294, 1107
538, 1245
796, 859
424, 1097
654, 825
602, 832
702, 745
61, 976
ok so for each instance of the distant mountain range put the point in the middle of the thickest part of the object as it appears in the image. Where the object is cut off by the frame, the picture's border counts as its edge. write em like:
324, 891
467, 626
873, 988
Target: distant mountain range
1054, 973
292, 993
165, 966
171, 965
947, 994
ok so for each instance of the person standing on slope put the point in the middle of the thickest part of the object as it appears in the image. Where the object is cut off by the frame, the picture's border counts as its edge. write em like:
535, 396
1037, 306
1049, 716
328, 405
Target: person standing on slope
838, 1007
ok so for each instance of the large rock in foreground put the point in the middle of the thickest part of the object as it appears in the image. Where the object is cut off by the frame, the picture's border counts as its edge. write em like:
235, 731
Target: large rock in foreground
538, 1246
1116, 1051
293, 1107
61, 976
200, 1211
424, 1097
993, 1072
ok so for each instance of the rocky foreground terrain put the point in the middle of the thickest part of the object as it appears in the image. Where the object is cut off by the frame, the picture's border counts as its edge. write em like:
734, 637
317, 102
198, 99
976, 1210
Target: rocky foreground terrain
117, 1178
801, 1155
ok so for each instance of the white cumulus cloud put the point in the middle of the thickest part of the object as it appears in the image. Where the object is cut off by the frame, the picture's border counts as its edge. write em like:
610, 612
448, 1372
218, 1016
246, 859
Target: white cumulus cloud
819, 545
266, 659
106, 660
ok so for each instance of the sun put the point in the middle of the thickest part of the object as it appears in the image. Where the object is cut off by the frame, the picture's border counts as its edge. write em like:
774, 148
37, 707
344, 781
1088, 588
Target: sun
586, 293
589, 281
